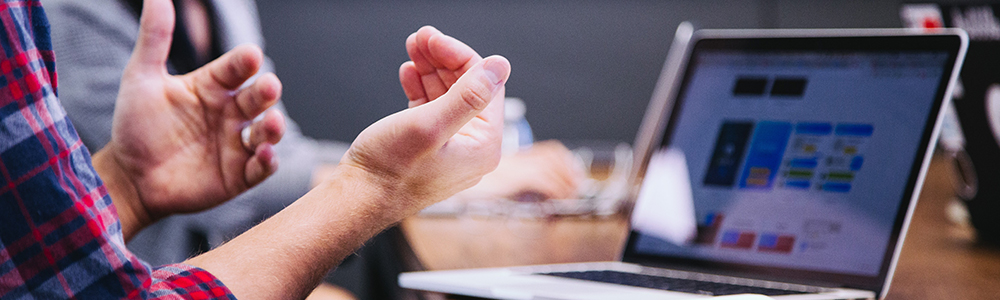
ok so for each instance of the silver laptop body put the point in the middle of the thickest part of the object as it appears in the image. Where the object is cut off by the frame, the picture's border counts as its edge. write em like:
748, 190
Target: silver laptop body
804, 152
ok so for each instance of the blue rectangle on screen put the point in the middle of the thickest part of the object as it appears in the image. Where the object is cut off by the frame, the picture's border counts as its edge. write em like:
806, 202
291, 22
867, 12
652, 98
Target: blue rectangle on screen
856, 163
710, 219
814, 128
803, 163
855, 129
730, 237
728, 154
767, 150
837, 187
768, 241
797, 184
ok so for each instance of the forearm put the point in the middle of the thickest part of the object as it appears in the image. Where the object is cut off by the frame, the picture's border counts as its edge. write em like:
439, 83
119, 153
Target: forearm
287, 255
123, 193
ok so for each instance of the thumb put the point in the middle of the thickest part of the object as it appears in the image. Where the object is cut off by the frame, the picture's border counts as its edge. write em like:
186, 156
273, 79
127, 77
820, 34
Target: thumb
470, 95
156, 29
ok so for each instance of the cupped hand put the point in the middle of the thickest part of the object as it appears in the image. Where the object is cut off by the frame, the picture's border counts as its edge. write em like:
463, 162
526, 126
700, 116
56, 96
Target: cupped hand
437, 62
449, 137
177, 139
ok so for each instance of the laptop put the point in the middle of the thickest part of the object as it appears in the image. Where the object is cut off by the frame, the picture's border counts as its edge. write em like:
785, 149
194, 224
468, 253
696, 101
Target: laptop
798, 156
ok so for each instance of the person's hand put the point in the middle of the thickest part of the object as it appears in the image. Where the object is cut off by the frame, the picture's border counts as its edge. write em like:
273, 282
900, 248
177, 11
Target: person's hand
395, 167
437, 61
176, 140
545, 170
449, 137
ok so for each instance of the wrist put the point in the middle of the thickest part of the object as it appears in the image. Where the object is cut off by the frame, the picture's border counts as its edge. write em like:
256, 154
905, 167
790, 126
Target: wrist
308, 238
378, 196
123, 192
321, 173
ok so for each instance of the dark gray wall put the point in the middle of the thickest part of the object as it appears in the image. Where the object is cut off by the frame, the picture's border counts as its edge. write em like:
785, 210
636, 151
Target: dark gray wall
586, 69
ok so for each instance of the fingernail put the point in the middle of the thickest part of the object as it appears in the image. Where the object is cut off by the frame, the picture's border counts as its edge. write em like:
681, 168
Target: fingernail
496, 70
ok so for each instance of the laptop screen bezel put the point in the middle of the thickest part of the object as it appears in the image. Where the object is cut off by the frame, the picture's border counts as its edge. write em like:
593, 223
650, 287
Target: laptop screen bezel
839, 41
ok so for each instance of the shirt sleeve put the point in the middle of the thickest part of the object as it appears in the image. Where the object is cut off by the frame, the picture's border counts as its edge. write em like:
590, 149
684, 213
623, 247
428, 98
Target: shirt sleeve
60, 235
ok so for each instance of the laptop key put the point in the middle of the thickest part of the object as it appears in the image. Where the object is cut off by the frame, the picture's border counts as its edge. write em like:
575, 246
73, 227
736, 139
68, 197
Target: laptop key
671, 284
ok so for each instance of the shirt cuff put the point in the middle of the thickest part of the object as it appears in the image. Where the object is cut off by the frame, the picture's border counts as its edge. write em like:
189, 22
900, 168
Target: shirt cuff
186, 282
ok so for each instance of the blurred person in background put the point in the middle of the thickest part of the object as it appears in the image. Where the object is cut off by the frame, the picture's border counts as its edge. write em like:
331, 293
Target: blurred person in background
94, 39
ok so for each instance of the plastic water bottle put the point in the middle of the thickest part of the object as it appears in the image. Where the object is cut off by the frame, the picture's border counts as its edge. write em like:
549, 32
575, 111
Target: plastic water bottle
516, 130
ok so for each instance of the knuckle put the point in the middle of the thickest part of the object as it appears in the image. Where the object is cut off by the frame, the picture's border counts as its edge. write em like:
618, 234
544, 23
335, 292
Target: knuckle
233, 67
477, 95
247, 104
274, 136
160, 32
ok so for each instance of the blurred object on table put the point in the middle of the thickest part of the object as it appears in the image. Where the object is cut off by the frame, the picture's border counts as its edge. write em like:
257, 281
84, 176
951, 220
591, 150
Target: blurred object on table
605, 164
516, 130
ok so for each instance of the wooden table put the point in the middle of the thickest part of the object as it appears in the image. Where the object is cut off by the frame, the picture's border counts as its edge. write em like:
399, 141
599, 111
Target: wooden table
940, 259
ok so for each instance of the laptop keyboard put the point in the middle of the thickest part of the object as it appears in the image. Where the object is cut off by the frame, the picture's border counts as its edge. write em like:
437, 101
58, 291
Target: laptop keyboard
671, 284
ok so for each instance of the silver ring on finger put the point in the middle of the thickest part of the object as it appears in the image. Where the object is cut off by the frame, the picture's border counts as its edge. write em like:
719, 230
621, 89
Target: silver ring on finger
245, 137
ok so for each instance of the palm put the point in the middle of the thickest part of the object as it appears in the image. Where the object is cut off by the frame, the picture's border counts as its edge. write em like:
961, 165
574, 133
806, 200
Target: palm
449, 137
429, 153
186, 149
179, 136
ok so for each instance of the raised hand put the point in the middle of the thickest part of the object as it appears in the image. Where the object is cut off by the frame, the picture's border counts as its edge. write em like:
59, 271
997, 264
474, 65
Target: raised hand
177, 139
437, 61
450, 136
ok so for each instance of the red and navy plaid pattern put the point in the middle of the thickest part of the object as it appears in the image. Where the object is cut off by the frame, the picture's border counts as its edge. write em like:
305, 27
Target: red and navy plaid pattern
60, 237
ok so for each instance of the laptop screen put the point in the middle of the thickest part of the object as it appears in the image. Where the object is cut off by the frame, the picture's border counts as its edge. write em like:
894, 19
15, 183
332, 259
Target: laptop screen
801, 156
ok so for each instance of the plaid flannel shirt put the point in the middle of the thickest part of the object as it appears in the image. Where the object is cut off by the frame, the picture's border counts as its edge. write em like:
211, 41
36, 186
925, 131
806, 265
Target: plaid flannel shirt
60, 237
